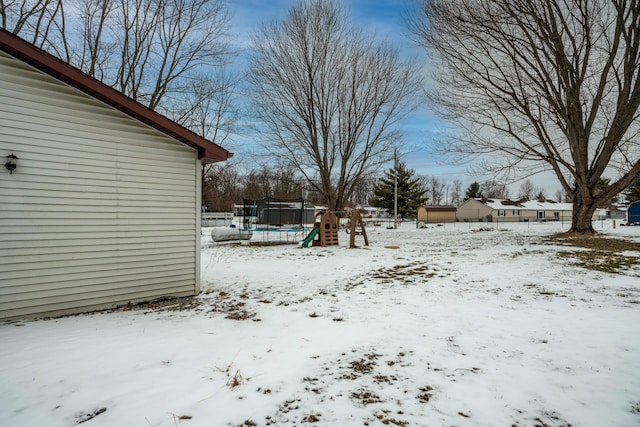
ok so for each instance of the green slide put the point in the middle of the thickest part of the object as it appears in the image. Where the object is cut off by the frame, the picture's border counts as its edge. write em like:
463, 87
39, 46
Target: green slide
309, 238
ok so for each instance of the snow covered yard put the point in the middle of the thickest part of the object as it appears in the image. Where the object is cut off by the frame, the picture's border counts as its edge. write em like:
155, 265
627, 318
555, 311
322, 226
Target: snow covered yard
445, 326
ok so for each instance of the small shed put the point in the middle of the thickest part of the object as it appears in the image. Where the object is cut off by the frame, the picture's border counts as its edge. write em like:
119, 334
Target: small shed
633, 213
436, 214
101, 200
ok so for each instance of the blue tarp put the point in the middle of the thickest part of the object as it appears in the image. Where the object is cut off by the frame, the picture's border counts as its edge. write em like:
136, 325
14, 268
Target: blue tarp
633, 214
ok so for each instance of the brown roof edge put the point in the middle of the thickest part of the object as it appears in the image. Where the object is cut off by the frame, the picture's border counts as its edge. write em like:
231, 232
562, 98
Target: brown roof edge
445, 208
208, 151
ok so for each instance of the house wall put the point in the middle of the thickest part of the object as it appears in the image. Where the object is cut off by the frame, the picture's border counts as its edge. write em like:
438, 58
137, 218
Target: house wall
531, 215
473, 210
512, 214
101, 210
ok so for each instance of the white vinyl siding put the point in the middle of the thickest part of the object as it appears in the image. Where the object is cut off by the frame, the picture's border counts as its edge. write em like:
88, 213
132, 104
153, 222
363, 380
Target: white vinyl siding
101, 210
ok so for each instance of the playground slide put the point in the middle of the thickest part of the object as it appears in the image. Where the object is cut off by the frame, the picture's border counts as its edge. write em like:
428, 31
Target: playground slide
309, 238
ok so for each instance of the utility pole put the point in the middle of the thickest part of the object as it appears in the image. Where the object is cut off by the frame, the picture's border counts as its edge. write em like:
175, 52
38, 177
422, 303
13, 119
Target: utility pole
395, 189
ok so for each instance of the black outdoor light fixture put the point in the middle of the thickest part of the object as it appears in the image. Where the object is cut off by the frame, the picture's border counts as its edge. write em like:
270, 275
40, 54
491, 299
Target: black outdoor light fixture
12, 163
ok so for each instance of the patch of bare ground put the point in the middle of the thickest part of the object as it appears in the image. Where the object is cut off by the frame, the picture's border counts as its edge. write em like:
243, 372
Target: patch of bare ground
234, 308
164, 304
598, 252
596, 242
407, 274
387, 419
222, 302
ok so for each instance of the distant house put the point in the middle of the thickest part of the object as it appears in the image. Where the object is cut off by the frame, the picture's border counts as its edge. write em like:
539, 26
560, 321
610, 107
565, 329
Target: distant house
505, 210
372, 212
103, 205
436, 214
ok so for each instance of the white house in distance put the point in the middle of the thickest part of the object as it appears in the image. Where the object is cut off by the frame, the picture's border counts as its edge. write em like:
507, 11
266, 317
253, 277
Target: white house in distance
100, 195
505, 210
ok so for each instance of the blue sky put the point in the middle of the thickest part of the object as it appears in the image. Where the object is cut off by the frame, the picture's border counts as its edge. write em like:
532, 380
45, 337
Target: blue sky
384, 18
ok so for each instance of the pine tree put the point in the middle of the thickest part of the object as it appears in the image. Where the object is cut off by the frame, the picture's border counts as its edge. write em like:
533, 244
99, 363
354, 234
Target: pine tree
472, 192
410, 192
632, 193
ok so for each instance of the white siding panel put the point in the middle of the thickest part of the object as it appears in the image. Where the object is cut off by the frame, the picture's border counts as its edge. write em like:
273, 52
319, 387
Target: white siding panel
102, 209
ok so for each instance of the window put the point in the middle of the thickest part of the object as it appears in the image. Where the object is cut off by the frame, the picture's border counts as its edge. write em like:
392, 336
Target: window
556, 215
516, 213
501, 213
540, 215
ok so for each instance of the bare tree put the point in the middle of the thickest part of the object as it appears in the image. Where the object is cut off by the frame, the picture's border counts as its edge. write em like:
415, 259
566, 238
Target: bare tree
150, 50
542, 85
363, 191
211, 110
266, 181
38, 21
456, 192
559, 195
18, 14
221, 187
526, 190
161, 43
94, 23
435, 189
541, 194
328, 96
494, 189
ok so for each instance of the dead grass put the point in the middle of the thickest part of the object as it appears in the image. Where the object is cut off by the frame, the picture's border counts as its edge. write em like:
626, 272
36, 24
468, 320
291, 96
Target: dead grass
596, 242
601, 254
365, 397
425, 394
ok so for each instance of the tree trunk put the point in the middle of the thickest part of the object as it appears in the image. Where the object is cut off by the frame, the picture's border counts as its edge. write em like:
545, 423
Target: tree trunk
582, 215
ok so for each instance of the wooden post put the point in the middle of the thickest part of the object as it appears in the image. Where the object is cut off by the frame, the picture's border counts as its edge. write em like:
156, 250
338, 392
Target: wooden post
356, 220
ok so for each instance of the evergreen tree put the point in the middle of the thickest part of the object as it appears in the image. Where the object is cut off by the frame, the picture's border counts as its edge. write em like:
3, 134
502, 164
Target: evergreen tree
472, 192
410, 192
603, 185
632, 193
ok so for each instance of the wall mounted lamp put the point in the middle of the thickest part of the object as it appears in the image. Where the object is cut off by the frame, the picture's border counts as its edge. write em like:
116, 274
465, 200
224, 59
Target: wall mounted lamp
12, 163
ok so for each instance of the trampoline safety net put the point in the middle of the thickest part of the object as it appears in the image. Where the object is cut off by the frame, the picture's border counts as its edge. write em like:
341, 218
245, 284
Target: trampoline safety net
276, 212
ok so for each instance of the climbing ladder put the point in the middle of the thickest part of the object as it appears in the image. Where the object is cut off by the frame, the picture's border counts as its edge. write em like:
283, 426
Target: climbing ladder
328, 229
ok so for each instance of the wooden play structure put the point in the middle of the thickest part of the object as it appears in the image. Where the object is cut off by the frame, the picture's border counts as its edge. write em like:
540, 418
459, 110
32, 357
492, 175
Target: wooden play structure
325, 231
326, 227
357, 229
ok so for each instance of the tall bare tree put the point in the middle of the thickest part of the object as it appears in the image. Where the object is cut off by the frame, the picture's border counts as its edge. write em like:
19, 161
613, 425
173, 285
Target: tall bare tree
527, 190
541, 84
16, 14
456, 193
96, 50
150, 50
494, 189
363, 191
435, 189
328, 96
38, 21
221, 188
